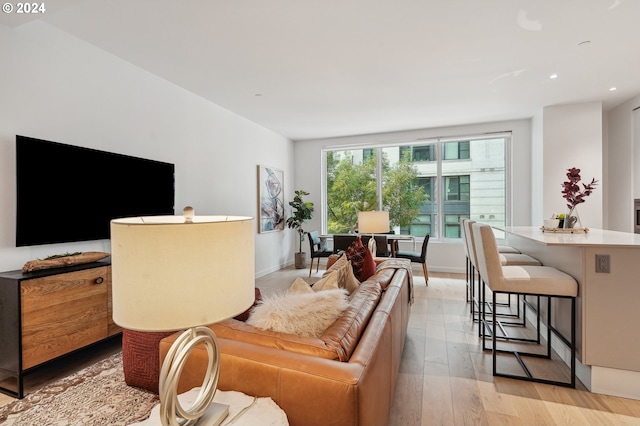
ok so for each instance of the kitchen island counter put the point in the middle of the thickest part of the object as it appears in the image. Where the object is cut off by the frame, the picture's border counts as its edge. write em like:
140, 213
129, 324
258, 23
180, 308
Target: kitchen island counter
608, 335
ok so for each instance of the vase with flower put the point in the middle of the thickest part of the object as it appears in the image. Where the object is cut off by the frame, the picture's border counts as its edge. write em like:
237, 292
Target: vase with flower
575, 195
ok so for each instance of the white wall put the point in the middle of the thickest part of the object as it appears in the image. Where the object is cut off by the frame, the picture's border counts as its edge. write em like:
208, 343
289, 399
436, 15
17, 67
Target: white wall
624, 160
58, 88
443, 257
573, 137
537, 169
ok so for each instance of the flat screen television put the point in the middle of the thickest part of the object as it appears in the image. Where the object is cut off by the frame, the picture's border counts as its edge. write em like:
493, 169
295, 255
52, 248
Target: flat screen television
67, 193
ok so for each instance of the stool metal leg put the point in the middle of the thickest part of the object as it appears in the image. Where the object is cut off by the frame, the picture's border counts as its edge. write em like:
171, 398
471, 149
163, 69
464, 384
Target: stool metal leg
519, 354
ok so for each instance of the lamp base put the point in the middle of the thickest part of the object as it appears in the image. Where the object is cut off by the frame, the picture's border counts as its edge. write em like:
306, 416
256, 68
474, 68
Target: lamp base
172, 413
214, 415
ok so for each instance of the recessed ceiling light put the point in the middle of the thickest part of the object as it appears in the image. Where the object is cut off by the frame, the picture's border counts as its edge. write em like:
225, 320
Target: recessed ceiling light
553, 76
613, 89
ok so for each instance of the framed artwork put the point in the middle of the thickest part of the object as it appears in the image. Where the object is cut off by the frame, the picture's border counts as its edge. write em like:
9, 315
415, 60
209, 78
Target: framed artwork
271, 199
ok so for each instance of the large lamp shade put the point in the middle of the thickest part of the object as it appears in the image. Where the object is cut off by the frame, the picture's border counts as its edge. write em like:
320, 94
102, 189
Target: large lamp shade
169, 273
373, 222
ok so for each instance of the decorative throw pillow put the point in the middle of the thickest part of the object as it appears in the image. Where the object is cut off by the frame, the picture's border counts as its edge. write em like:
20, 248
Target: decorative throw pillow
355, 253
346, 278
351, 282
330, 282
337, 265
368, 266
306, 314
299, 286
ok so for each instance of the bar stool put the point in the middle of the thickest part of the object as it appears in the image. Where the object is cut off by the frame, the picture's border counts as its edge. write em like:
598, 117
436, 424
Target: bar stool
471, 270
506, 259
468, 265
525, 280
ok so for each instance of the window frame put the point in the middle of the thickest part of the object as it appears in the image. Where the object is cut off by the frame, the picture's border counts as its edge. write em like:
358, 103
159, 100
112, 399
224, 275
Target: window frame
437, 219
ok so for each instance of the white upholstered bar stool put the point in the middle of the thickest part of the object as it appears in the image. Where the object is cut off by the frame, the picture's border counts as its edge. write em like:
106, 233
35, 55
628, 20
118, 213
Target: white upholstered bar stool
506, 259
470, 271
525, 280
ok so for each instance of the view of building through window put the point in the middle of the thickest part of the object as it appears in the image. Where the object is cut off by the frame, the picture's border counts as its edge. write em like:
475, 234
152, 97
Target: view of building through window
426, 186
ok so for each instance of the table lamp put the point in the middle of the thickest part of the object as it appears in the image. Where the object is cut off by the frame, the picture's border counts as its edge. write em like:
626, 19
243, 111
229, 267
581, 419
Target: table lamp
373, 222
174, 273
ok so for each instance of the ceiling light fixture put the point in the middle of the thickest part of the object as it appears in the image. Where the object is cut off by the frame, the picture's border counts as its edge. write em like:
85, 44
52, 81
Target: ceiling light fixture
552, 76
613, 89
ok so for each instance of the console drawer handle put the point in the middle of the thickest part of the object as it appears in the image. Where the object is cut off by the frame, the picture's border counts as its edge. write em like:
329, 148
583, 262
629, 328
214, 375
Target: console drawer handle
99, 280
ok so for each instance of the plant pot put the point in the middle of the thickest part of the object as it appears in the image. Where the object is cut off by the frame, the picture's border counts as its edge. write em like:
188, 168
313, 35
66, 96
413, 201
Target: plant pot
301, 260
572, 219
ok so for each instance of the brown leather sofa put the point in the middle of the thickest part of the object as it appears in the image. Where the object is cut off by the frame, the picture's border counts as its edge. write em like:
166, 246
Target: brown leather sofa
345, 377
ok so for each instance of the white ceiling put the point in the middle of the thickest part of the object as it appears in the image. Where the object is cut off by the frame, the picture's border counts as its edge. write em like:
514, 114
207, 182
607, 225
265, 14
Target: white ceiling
324, 68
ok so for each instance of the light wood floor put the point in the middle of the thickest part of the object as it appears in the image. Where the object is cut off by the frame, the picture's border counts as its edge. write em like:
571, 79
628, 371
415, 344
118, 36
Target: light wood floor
445, 377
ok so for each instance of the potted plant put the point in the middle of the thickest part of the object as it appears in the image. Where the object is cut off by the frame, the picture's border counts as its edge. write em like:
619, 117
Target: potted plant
575, 195
301, 211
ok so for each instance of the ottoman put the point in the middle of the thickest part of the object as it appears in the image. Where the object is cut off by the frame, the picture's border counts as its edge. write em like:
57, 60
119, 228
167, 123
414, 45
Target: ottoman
141, 358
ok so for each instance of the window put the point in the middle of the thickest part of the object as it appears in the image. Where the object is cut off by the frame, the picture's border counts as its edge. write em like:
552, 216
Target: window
418, 153
426, 186
457, 188
452, 225
456, 150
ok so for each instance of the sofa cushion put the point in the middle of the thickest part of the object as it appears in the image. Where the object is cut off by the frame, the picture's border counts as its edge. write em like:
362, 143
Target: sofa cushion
303, 314
343, 335
243, 332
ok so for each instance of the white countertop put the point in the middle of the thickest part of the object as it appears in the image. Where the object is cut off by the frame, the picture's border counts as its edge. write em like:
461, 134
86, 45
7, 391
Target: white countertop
595, 237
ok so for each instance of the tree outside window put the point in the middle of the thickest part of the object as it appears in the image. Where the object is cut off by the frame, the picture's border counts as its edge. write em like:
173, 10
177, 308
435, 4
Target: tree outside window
426, 186
352, 187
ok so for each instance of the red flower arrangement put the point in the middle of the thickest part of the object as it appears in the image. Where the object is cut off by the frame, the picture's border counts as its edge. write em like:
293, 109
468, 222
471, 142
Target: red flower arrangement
571, 190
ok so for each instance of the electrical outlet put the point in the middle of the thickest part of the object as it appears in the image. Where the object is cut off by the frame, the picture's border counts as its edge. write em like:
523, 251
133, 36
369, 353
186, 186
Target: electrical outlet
603, 263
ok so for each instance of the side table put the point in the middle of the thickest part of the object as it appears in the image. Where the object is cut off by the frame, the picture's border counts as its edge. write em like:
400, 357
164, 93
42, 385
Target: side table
244, 410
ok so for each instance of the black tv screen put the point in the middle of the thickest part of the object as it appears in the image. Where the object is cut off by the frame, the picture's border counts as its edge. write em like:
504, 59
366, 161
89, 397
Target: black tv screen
68, 193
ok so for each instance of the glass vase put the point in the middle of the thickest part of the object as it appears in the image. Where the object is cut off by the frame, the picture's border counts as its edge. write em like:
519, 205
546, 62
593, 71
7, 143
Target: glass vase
572, 219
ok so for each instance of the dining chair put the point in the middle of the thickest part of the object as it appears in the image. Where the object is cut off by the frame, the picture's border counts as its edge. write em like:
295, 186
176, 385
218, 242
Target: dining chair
318, 251
417, 257
382, 244
342, 242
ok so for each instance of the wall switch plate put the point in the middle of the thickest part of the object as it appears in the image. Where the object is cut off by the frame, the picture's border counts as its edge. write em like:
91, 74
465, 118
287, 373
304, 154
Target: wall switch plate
603, 263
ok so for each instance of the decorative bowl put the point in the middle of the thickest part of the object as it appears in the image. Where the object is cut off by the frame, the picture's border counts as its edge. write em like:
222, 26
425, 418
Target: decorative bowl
551, 223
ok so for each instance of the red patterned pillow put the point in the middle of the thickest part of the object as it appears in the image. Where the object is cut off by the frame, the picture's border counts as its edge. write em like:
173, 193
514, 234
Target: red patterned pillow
368, 266
355, 253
